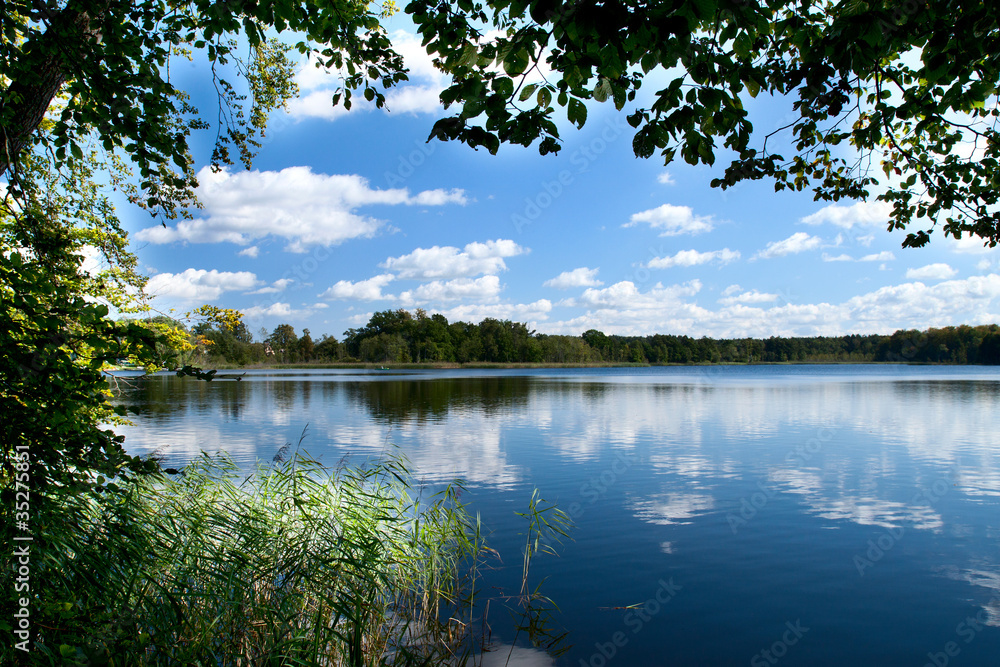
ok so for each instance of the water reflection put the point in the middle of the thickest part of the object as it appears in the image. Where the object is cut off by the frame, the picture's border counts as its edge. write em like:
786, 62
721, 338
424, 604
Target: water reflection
793, 476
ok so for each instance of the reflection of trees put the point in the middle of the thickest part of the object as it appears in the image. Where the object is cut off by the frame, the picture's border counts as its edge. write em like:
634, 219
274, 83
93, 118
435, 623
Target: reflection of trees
158, 398
950, 390
432, 400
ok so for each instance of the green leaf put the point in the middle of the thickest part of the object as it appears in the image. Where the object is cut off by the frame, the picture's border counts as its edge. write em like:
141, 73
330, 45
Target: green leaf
544, 98
577, 112
516, 62
602, 90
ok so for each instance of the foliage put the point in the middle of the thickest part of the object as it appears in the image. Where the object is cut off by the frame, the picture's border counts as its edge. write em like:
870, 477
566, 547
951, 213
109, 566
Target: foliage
295, 564
400, 337
108, 61
52, 393
895, 101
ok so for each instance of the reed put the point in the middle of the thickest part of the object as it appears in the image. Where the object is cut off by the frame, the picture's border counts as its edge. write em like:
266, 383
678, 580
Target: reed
294, 564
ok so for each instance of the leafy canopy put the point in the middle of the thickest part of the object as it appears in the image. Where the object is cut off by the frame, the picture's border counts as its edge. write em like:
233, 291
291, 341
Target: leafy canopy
895, 100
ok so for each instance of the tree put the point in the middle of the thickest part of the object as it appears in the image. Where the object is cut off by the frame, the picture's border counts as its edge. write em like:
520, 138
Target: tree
306, 346
100, 70
884, 93
284, 343
900, 85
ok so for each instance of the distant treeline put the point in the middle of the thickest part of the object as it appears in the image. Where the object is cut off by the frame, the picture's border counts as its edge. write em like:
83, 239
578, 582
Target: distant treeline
398, 336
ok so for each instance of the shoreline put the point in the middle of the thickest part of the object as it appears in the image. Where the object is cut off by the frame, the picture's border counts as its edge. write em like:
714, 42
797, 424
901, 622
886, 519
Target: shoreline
446, 365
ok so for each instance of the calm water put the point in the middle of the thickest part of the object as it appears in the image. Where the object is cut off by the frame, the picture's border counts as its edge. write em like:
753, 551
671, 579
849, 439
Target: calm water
801, 515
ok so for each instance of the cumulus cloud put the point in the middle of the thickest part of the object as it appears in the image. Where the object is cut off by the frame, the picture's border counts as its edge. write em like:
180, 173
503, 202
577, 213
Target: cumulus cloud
694, 258
622, 309
860, 214
421, 94
672, 220
304, 208
250, 252
445, 262
796, 243
199, 284
970, 244
283, 310
837, 258
275, 287
486, 288
884, 256
364, 290
93, 260
938, 271
581, 277
753, 296
666, 179
518, 312
626, 296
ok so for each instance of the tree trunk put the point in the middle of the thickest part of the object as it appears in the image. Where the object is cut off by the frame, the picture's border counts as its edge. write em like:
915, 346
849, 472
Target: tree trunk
48, 61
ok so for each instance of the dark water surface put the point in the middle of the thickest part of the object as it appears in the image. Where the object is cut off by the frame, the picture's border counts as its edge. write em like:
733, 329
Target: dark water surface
794, 515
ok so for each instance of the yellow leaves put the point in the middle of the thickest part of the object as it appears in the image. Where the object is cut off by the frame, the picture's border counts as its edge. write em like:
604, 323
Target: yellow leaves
224, 318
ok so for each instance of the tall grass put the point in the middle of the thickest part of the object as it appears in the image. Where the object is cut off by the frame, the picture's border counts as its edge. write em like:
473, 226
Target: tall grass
295, 564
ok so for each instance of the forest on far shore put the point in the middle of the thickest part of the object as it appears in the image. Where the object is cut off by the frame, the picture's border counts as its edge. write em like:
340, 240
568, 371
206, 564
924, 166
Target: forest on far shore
399, 336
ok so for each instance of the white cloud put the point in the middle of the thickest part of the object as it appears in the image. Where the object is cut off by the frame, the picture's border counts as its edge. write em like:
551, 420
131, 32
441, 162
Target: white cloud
421, 94
622, 309
672, 220
884, 256
273, 310
938, 271
666, 179
862, 213
973, 245
626, 296
365, 290
753, 296
732, 289
837, 258
518, 312
93, 260
275, 287
796, 243
250, 252
484, 288
305, 208
319, 104
444, 262
581, 277
199, 284
693, 258
916, 305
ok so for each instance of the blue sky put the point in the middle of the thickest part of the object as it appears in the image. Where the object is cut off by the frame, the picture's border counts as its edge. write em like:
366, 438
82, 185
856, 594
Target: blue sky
347, 213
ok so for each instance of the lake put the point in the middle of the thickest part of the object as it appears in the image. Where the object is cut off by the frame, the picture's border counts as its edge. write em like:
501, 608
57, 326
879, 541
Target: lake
740, 515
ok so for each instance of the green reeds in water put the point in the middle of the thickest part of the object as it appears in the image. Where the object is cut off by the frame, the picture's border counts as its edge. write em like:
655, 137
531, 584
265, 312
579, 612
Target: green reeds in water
295, 564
